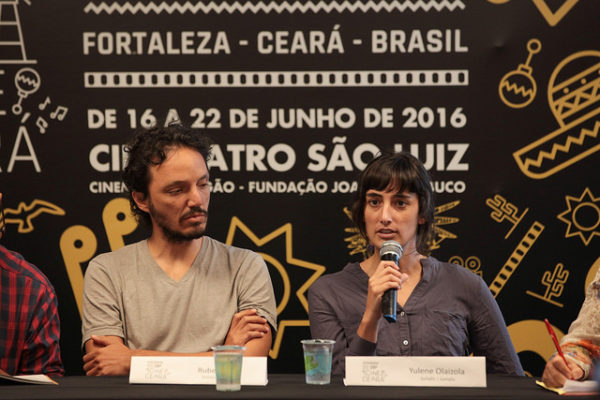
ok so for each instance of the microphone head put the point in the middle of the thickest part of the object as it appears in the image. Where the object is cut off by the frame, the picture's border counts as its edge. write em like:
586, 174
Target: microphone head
391, 246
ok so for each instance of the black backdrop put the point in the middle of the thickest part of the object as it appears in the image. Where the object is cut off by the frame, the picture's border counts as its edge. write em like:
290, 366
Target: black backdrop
499, 98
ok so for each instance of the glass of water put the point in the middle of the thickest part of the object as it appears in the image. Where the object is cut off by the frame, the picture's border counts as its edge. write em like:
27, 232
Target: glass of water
317, 360
228, 367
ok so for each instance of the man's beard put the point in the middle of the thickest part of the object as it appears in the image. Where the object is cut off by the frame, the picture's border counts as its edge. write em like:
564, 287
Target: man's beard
177, 236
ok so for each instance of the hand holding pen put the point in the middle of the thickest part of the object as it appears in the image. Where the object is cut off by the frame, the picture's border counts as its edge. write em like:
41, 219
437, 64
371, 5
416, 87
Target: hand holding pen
558, 369
555, 340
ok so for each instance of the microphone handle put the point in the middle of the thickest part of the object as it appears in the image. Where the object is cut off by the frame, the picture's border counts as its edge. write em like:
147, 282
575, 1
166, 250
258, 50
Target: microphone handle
389, 299
388, 305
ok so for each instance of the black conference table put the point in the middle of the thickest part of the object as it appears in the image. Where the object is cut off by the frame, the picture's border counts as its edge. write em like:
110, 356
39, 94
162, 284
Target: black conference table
281, 386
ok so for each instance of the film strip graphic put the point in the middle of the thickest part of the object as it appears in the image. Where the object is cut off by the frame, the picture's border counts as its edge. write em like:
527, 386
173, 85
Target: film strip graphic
516, 257
206, 79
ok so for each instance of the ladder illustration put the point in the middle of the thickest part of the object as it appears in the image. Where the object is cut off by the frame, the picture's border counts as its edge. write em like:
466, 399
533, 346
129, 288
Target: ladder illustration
12, 45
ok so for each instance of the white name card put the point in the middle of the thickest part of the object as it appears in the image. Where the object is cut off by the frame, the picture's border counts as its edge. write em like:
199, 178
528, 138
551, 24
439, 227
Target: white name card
416, 371
192, 370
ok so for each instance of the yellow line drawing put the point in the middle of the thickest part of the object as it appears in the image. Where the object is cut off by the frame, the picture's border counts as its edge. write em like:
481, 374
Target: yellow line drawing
574, 101
578, 210
517, 88
356, 242
446, 207
440, 233
516, 257
555, 284
574, 93
541, 156
505, 211
274, 352
78, 244
531, 335
118, 222
446, 220
285, 230
472, 263
286, 281
24, 214
554, 18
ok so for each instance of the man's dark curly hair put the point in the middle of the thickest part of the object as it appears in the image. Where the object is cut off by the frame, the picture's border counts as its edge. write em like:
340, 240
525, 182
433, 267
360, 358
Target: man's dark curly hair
400, 172
149, 147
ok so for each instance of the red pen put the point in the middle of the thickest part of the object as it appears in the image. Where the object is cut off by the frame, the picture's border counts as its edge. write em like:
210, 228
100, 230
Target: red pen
553, 336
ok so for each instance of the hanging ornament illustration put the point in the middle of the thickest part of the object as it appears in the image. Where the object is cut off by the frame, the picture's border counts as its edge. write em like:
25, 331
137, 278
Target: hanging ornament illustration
517, 88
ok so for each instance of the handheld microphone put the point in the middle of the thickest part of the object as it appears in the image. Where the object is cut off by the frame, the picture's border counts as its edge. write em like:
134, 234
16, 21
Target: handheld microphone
390, 251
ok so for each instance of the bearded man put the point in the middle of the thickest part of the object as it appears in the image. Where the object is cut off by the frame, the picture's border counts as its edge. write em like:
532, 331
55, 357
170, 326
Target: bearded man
178, 292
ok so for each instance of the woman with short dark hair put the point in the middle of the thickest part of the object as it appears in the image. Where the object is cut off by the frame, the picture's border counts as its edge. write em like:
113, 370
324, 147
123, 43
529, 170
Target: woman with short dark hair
443, 309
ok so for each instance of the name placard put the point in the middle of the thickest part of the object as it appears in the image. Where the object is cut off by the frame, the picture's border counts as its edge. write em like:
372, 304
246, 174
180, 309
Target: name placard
416, 371
192, 370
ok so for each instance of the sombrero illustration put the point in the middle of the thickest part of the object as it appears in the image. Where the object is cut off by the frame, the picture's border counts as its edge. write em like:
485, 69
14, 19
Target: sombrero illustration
574, 98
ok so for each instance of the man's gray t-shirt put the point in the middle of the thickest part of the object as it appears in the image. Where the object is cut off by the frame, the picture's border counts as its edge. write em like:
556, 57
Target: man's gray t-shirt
127, 294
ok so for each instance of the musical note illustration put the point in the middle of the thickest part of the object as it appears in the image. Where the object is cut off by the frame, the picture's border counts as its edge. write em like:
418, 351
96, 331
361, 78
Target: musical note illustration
59, 113
43, 105
41, 124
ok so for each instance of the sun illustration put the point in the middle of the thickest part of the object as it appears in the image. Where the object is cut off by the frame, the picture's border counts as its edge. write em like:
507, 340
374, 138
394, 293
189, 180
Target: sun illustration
582, 216
357, 244
282, 268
